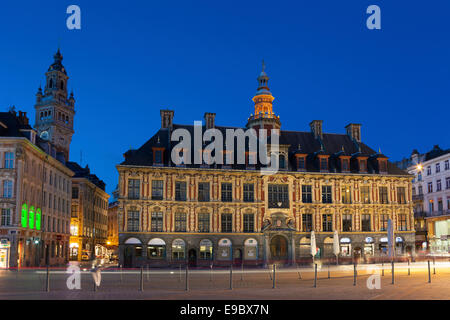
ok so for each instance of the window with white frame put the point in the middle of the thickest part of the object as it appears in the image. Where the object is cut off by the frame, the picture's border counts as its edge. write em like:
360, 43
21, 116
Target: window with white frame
9, 160
7, 189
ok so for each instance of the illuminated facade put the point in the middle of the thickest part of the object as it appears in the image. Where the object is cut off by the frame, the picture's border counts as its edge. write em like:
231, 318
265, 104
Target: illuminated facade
35, 197
431, 196
89, 220
221, 214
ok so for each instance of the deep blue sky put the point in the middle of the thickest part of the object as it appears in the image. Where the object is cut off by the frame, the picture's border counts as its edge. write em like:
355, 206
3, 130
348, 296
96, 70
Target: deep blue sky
132, 58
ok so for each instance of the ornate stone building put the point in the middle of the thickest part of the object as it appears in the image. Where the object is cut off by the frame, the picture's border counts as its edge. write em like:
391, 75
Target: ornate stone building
35, 197
199, 213
89, 214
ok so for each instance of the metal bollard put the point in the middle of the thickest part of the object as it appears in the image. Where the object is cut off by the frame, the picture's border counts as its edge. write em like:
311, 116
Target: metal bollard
429, 272
328, 271
242, 271
315, 275
409, 271
392, 262
121, 273
187, 278
434, 266
274, 276
141, 284
354, 274
179, 278
382, 267
210, 272
47, 285
231, 277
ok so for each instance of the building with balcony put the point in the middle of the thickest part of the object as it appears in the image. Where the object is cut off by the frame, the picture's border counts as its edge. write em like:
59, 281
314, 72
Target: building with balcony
431, 197
222, 212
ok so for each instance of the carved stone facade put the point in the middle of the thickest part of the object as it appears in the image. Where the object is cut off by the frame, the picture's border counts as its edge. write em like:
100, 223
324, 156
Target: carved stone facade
289, 219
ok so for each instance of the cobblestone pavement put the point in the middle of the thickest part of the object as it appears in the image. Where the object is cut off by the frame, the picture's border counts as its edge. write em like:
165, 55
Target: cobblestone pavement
291, 283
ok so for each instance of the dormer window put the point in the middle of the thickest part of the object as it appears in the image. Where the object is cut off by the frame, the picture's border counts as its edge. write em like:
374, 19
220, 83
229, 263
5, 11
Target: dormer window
362, 162
382, 165
282, 161
345, 164
158, 157
301, 162
323, 163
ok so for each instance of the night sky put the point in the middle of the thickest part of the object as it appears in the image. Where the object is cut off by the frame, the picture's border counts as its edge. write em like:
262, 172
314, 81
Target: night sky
133, 58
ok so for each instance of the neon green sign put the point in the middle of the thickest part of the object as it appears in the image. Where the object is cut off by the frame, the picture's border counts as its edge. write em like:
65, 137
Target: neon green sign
31, 218
38, 219
24, 215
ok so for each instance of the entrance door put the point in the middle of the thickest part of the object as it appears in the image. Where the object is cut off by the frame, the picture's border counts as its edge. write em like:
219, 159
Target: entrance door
279, 248
192, 256
237, 257
128, 257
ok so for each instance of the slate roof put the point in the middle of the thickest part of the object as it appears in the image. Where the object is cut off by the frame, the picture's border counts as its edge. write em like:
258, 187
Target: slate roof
13, 125
81, 172
333, 145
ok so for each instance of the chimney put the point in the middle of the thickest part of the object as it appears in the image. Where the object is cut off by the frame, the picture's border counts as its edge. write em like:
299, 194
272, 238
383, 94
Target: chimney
23, 119
354, 131
166, 119
209, 120
316, 128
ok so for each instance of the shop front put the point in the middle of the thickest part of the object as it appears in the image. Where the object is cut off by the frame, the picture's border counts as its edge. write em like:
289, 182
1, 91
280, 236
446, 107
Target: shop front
439, 242
5, 248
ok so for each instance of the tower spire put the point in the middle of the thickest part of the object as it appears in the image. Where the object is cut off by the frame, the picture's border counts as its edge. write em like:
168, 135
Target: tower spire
263, 103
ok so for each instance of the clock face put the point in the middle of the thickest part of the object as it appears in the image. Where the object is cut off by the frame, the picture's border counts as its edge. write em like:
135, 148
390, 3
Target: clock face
44, 135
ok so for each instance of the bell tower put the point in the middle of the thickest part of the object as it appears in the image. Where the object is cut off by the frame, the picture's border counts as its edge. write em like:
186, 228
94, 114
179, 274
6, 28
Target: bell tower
264, 117
54, 109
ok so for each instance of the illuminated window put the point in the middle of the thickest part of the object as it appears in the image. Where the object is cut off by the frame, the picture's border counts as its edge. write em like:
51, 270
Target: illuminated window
306, 222
327, 223
365, 194
346, 222
346, 195
74, 230
401, 195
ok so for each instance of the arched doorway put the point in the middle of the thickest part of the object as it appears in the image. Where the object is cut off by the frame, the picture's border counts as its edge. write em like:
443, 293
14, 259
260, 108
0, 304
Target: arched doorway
192, 256
279, 248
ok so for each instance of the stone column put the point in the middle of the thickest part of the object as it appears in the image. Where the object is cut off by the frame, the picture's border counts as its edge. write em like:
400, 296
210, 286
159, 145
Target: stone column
266, 249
